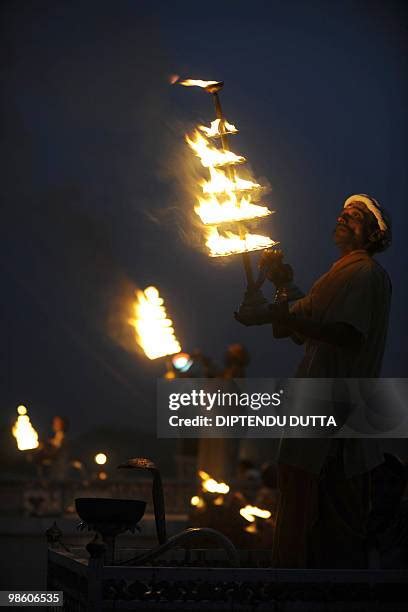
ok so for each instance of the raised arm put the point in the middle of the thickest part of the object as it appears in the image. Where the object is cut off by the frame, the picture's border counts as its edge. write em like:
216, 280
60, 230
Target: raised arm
296, 325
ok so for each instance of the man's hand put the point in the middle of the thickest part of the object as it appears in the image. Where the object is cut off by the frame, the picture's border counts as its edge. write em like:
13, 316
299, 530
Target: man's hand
272, 313
271, 262
253, 316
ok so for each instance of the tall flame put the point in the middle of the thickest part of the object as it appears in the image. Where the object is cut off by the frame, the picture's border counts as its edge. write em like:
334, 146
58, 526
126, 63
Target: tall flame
154, 331
24, 432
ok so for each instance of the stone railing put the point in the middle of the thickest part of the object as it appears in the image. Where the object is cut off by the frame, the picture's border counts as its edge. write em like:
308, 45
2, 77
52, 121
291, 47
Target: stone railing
204, 580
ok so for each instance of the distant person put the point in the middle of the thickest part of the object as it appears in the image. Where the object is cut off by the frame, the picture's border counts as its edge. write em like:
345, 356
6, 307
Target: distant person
219, 455
236, 361
53, 456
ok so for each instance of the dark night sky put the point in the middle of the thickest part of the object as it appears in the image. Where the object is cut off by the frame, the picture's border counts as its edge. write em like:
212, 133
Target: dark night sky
93, 203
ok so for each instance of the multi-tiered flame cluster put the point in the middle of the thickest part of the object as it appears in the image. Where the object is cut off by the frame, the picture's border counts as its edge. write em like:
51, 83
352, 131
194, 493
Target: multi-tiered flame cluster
23, 431
154, 330
227, 198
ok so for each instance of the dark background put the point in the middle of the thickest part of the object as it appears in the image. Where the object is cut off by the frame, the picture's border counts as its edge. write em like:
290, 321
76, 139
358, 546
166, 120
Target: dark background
95, 170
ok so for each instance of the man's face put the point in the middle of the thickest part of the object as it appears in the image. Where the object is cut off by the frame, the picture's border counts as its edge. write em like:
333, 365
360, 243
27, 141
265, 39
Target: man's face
354, 226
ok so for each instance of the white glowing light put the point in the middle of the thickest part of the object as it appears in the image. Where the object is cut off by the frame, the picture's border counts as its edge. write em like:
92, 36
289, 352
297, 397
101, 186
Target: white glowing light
101, 458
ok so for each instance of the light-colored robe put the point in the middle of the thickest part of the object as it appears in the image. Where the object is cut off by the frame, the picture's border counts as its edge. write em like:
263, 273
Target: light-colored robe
356, 291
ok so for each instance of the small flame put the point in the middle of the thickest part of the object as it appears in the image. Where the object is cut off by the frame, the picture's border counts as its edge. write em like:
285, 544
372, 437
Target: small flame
24, 432
154, 331
250, 512
221, 246
197, 83
212, 486
197, 501
211, 156
214, 130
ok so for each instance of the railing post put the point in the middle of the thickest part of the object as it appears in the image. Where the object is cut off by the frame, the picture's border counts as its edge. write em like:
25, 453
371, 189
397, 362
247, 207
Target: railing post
97, 550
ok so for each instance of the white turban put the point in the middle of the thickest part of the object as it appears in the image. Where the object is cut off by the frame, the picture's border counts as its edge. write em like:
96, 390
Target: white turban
373, 206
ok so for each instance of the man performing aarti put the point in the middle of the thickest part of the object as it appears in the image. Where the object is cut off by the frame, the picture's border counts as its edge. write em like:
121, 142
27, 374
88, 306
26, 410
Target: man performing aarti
342, 321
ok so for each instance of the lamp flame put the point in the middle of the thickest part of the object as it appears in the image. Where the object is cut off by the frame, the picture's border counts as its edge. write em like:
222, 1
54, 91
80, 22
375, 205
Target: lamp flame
213, 212
197, 83
197, 501
211, 485
24, 432
220, 183
250, 512
209, 155
154, 331
221, 246
215, 130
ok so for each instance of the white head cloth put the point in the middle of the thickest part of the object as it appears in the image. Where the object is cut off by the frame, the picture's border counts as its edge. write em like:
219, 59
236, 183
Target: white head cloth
372, 205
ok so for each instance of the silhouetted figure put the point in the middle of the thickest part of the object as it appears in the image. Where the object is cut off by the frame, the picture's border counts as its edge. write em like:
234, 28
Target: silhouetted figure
236, 361
342, 323
52, 458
